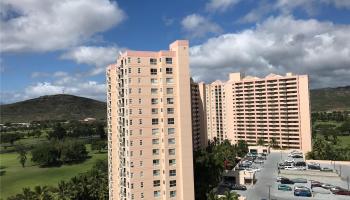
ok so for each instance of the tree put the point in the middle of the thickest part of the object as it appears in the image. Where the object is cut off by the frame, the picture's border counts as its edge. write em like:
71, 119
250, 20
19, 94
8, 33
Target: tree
230, 196
22, 154
273, 143
73, 151
45, 155
242, 148
260, 142
58, 132
10, 137
98, 145
100, 130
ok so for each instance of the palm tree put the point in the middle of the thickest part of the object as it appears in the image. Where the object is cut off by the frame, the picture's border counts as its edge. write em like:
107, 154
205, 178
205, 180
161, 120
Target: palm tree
261, 142
273, 143
42, 193
22, 154
230, 196
212, 196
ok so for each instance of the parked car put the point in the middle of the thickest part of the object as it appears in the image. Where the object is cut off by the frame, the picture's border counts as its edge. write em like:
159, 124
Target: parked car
300, 164
327, 186
239, 187
316, 184
336, 189
343, 192
315, 167
286, 181
302, 191
326, 169
299, 180
284, 187
279, 178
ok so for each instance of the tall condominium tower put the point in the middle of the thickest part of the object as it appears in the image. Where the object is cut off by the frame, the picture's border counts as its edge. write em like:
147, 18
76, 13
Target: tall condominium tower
216, 111
149, 125
250, 108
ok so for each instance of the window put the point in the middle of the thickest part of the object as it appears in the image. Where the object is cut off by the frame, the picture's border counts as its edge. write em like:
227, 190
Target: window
171, 121
131, 153
172, 193
130, 111
156, 183
168, 60
155, 152
154, 110
154, 90
129, 80
131, 143
141, 163
140, 121
170, 100
130, 101
142, 196
172, 162
155, 141
156, 172
171, 131
130, 91
169, 70
139, 80
141, 184
172, 172
171, 151
153, 71
129, 59
171, 141
170, 110
141, 175
155, 131
140, 111
156, 193
156, 162
130, 121
131, 164
141, 152
155, 121
154, 81
140, 142
169, 80
172, 183
139, 70
140, 90
154, 101
129, 70
138, 60
170, 90
153, 61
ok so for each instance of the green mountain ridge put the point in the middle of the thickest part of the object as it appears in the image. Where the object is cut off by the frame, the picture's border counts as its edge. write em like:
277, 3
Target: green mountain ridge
53, 107
70, 107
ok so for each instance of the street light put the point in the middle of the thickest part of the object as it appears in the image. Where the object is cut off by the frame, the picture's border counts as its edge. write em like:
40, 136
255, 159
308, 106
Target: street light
269, 191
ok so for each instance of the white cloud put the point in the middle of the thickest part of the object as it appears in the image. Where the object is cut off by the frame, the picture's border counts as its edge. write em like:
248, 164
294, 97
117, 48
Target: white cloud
62, 83
220, 5
38, 25
287, 7
278, 45
99, 57
198, 26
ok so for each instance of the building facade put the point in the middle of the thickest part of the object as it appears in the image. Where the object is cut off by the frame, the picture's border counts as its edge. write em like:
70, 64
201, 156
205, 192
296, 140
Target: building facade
150, 125
199, 128
274, 108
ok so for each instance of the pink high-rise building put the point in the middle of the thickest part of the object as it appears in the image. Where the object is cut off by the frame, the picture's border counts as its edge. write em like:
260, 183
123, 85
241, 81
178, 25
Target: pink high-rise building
149, 125
249, 108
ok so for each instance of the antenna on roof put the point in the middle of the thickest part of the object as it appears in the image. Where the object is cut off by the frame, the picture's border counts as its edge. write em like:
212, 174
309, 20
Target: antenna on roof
63, 91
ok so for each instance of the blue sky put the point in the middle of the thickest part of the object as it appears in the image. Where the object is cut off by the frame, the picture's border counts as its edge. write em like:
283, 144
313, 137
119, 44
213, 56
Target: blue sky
50, 47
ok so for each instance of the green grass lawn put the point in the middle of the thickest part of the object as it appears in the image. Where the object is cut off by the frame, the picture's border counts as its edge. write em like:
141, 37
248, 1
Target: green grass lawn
16, 177
344, 140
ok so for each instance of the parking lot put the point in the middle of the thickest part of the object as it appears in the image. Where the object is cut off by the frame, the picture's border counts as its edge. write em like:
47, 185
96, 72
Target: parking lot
267, 186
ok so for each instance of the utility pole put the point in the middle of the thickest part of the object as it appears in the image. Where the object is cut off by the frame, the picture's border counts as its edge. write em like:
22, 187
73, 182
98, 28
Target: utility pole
347, 180
269, 192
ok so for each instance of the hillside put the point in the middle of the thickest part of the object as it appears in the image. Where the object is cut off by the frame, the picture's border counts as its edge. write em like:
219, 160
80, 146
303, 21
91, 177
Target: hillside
330, 99
53, 107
